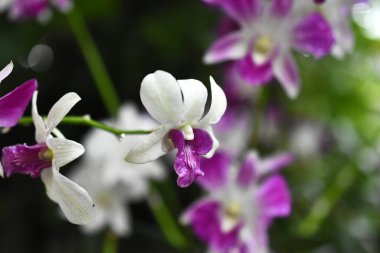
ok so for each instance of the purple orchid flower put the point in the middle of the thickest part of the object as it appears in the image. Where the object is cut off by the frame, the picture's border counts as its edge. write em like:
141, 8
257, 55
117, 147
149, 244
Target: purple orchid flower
338, 14
34, 9
240, 205
267, 34
13, 104
179, 107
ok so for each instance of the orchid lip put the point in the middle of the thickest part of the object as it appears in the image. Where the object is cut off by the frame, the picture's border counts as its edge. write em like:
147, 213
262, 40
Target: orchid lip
24, 159
188, 159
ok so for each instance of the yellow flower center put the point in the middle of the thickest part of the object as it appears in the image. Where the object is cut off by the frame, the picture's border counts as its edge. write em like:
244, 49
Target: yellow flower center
263, 49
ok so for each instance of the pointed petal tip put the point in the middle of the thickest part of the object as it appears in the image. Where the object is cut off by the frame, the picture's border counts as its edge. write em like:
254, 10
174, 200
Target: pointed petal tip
6, 71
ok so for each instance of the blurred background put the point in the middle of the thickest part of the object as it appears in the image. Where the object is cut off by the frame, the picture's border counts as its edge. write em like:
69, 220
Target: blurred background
333, 128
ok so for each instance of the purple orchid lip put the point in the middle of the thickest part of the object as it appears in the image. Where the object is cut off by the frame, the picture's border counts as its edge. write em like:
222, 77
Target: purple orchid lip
188, 158
28, 160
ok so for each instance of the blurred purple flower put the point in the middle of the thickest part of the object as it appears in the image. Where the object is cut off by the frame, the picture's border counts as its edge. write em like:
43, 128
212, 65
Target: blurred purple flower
338, 14
241, 204
34, 9
13, 104
268, 31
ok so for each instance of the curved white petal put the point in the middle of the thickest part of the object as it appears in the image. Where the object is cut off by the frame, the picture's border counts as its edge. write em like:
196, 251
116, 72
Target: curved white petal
194, 99
215, 142
286, 71
74, 201
149, 149
162, 98
218, 105
6, 71
1, 171
65, 151
60, 109
41, 133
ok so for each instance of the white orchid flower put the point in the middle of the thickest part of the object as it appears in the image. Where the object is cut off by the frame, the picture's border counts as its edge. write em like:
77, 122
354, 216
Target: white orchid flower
179, 107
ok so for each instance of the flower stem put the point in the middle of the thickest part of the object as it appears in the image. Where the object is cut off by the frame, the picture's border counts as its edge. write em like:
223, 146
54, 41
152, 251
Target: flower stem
322, 207
87, 121
94, 61
165, 220
110, 243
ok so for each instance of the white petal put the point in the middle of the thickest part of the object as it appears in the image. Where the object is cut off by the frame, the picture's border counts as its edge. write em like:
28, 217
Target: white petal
120, 221
215, 142
218, 105
60, 109
194, 99
74, 201
41, 133
1, 171
65, 151
149, 149
162, 98
6, 71
286, 71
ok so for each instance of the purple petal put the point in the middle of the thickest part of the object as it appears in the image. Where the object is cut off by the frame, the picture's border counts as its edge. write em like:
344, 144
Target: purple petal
202, 143
205, 221
28, 160
229, 47
226, 242
314, 35
275, 163
25, 9
274, 198
253, 73
215, 171
286, 71
187, 166
177, 138
13, 104
203, 217
248, 170
281, 8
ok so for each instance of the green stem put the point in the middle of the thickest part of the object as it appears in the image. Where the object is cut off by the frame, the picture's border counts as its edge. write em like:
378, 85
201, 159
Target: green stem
94, 61
258, 113
110, 243
87, 121
165, 220
322, 207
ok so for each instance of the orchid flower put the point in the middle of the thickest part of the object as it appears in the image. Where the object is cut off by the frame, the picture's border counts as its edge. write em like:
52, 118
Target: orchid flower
268, 31
13, 104
338, 14
45, 158
112, 182
33, 9
179, 107
240, 205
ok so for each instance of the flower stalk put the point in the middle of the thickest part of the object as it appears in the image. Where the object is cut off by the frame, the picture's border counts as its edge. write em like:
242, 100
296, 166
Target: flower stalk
94, 61
87, 121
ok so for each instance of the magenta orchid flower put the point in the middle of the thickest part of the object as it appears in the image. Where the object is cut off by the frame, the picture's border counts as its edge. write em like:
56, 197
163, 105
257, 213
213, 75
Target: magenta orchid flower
241, 204
45, 158
179, 107
13, 104
268, 31
33, 9
338, 14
